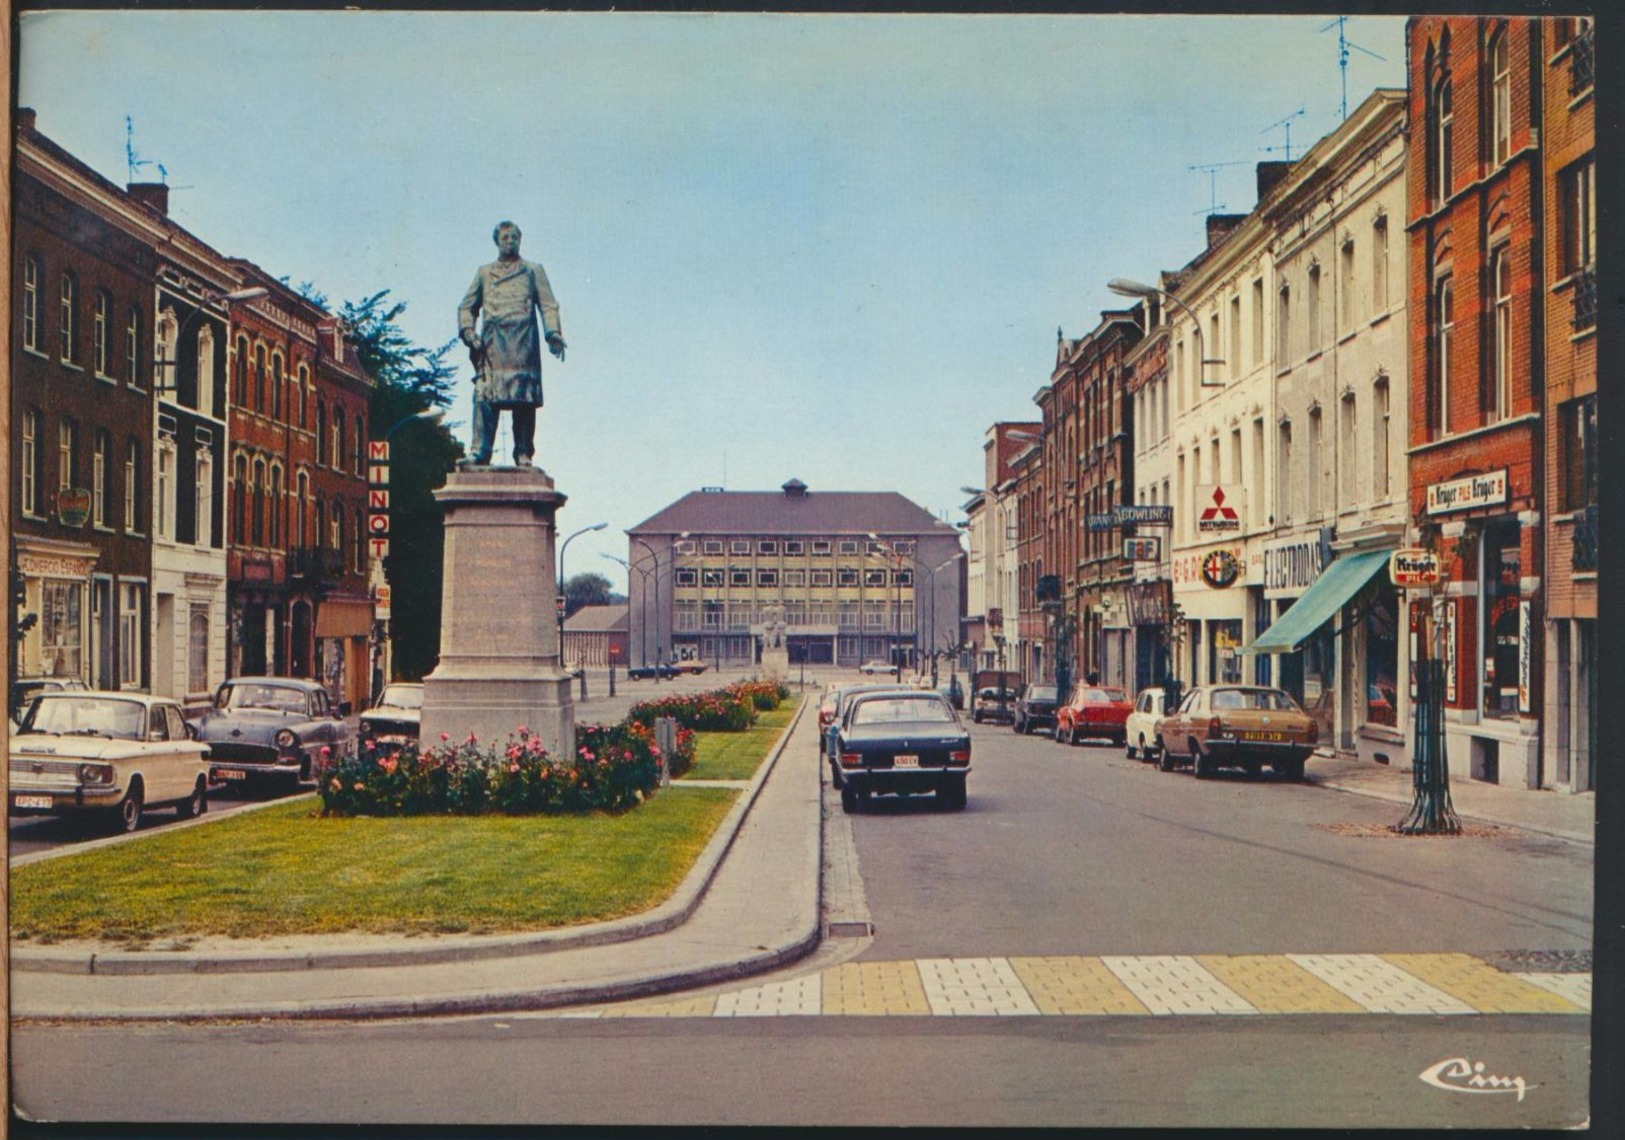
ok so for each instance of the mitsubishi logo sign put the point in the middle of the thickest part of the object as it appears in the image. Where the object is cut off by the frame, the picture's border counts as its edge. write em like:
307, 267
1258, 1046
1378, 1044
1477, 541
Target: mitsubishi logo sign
1217, 517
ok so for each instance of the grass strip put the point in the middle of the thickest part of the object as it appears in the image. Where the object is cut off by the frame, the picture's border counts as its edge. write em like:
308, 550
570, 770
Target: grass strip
285, 871
737, 755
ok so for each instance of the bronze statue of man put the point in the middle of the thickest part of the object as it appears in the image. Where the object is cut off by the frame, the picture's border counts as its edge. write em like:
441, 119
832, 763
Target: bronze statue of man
506, 350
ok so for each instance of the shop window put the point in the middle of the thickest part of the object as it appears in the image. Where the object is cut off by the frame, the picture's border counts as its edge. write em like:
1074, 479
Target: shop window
1500, 592
61, 628
131, 626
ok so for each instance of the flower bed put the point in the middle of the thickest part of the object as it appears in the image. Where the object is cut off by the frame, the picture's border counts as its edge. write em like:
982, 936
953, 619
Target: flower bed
765, 696
616, 771
716, 711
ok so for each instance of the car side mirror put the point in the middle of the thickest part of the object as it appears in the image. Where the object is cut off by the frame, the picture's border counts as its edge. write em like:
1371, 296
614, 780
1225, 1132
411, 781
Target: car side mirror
344, 709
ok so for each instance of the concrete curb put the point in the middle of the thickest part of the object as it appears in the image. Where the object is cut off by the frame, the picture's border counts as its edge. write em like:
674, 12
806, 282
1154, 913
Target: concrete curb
1404, 798
665, 917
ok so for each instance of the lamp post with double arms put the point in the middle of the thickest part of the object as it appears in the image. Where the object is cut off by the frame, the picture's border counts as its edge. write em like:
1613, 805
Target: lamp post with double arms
655, 558
931, 624
642, 577
1124, 287
565, 545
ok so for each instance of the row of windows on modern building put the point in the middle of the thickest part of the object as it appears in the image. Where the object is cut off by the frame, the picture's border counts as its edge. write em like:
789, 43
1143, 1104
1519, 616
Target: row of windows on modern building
263, 514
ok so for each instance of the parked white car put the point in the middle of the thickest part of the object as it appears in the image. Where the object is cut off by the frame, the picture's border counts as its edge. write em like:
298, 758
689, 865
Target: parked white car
1140, 730
115, 754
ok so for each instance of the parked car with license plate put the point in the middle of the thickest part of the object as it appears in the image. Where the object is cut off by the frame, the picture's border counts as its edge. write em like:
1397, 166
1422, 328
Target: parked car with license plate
902, 742
1093, 711
107, 753
1239, 726
393, 723
271, 730
840, 700
874, 668
24, 689
994, 704
1140, 729
1036, 706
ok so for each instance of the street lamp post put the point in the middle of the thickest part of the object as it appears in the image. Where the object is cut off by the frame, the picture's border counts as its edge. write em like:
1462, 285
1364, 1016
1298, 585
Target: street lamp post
931, 624
1124, 287
560, 602
643, 576
655, 557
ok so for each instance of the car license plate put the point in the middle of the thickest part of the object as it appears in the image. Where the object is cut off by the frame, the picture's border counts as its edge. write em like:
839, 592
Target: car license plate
1263, 736
231, 774
32, 801
905, 762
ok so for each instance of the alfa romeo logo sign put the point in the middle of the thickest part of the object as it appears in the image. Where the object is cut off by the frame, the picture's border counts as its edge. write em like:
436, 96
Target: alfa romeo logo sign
1220, 568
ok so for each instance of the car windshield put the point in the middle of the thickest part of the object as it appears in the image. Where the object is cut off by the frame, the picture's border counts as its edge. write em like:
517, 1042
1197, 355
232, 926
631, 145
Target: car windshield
75, 715
402, 696
1268, 700
1101, 696
893, 710
1042, 693
253, 695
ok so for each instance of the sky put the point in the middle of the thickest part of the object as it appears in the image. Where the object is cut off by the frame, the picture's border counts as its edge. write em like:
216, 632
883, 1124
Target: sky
828, 247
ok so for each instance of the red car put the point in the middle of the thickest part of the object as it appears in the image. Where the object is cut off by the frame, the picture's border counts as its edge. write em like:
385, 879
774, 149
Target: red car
1094, 711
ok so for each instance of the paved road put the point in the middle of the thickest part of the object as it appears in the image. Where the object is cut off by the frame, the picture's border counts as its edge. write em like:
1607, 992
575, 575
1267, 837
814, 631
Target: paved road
1137, 886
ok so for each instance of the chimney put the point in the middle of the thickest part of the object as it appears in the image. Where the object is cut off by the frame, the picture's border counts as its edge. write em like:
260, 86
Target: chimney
153, 195
1270, 173
25, 120
794, 489
1219, 227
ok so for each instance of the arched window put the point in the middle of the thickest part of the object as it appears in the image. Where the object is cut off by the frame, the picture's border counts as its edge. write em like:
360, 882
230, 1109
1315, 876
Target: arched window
259, 503
321, 433
102, 333
1443, 138
301, 384
132, 347
1500, 98
1499, 403
276, 505
165, 370
197, 652
30, 312
302, 506
239, 501
1444, 319
259, 378
338, 528
277, 382
321, 523
1283, 326
360, 445
205, 371
239, 369
359, 543
338, 438
30, 462
69, 300
100, 457
132, 488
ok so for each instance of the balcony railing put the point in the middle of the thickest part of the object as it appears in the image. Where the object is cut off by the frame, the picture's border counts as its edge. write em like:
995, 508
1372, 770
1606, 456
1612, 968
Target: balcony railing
1585, 298
315, 562
1582, 62
1585, 539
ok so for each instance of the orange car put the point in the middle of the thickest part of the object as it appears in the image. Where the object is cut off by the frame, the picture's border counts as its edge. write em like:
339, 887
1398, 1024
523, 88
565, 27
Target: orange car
1238, 726
1094, 711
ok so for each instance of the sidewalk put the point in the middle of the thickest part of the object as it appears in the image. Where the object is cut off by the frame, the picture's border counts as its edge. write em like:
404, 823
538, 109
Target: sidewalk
759, 911
1560, 814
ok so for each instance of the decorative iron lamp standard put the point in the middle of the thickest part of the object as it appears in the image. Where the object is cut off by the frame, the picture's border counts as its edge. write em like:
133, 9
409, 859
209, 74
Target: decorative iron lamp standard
561, 604
1124, 287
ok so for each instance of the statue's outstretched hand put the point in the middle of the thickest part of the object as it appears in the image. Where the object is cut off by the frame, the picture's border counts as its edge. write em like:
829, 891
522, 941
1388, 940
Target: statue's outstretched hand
555, 345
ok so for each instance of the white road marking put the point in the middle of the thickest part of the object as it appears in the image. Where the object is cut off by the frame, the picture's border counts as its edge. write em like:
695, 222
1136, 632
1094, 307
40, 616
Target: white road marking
1378, 985
1169, 984
974, 987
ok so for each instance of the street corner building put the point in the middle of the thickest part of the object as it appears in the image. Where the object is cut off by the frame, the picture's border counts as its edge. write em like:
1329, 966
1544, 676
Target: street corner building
188, 484
859, 576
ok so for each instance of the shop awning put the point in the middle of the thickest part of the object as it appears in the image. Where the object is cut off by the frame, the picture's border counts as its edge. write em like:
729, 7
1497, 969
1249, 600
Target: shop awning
1320, 603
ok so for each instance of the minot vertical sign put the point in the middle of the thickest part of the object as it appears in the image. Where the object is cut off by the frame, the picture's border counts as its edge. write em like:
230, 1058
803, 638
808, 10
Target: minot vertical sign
378, 498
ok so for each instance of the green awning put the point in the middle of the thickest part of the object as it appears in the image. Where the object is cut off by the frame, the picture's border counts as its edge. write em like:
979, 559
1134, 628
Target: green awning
1320, 603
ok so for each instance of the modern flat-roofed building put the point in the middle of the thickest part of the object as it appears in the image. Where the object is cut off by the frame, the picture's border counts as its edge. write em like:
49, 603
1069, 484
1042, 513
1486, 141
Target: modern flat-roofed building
859, 575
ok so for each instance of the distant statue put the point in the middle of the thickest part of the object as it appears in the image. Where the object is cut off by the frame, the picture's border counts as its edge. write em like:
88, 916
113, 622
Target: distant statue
506, 351
773, 627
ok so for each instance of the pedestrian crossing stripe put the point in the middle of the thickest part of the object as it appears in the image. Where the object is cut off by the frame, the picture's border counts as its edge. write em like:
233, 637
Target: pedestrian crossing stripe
1140, 985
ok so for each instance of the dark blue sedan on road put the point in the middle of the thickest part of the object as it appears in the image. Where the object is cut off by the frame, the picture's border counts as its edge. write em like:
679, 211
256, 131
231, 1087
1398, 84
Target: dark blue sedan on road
901, 742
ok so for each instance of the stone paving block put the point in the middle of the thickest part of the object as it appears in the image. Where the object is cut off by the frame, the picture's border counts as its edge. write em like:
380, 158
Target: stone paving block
1575, 988
1378, 985
974, 987
1481, 985
1272, 984
874, 989
1075, 985
803, 996
1175, 984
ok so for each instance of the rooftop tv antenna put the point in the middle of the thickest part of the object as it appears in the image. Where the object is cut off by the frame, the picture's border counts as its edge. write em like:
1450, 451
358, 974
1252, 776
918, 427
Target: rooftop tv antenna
1287, 123
1344, 44
1213, 169
133, 161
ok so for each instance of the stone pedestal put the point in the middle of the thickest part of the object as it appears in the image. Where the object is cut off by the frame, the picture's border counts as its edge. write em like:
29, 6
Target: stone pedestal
775, 662
499, 637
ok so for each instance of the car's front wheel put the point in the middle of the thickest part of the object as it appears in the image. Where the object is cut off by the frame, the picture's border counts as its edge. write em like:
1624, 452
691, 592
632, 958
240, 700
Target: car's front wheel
195, 804
127, 816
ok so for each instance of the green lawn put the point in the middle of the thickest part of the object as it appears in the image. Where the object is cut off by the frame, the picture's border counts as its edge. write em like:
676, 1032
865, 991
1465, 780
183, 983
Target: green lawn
736, 755
284, 870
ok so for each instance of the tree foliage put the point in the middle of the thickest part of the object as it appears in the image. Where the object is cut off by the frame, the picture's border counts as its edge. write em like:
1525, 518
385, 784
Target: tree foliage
586, 589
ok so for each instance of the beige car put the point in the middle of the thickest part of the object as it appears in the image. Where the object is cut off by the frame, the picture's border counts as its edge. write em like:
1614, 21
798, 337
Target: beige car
1238, 726
112, 754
